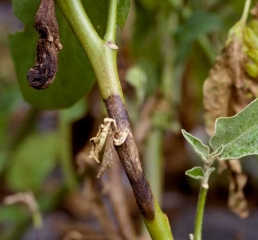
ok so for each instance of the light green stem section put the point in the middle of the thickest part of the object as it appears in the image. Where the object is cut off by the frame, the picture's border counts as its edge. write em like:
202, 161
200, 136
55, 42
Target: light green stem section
101, 56
153, 162
110, 35
199, 213
245, 12
37, 219
159, 228
153, 166
81, 26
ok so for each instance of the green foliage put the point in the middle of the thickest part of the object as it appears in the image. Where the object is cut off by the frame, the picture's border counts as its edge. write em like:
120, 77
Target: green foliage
186, 36
201, 149
195, 173
234, 137
32, 161
122, 12
212, 23
75, 75
238, 135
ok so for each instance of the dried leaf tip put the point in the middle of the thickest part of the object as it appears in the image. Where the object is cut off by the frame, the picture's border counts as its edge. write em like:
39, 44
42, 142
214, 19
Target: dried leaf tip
42, 74
107, 135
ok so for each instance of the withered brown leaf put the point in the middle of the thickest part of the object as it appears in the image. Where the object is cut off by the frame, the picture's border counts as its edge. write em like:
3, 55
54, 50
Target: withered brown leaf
107, 160
107, 135
227, 90
42, 74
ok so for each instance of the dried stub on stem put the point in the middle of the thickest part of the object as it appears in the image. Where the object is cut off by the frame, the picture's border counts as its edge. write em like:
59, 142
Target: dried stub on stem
42, 74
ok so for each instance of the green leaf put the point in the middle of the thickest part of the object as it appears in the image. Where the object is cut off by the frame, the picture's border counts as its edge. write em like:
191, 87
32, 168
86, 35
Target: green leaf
201, 149
196, 173
212, 22
238, 135
122, 12
195, 28
32, 162
75, 76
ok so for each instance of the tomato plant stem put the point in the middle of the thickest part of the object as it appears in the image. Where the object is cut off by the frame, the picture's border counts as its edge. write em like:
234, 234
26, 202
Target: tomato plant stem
102, 54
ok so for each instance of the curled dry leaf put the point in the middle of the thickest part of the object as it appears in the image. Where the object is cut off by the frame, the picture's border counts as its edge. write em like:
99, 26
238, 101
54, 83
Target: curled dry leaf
99, 141
107, 160
42, 74
119, 138
107, 135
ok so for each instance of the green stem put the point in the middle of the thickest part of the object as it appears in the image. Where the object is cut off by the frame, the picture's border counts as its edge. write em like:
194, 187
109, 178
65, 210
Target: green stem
37, 219
159, 228
110, 35
81, 26
245, 12
153, 161
199, 213
153, 166
101, 56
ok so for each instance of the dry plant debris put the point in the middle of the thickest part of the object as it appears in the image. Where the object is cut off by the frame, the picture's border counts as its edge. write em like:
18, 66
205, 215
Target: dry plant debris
108, 136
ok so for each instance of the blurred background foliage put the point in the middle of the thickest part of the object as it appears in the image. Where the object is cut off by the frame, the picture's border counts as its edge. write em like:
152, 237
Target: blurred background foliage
165, 52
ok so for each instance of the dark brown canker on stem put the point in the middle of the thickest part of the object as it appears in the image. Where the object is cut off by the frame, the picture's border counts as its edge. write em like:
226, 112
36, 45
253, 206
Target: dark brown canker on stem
129, 157
42, 74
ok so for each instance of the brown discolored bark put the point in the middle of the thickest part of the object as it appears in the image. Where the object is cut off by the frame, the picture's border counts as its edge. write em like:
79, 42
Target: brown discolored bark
42, 74
129, 157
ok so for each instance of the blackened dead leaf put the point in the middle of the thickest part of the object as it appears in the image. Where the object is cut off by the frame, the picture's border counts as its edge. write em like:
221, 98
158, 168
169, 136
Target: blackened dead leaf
42, 74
